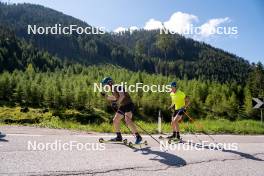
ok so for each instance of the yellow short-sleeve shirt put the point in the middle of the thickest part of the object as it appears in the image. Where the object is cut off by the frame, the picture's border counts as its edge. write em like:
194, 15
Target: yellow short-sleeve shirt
178, 99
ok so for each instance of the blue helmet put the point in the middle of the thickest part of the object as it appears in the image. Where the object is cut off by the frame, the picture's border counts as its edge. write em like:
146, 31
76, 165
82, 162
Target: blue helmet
173, 84
106, 80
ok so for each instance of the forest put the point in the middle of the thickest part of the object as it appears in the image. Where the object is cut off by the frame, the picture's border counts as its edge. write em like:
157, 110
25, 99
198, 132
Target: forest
56, 73
72, 88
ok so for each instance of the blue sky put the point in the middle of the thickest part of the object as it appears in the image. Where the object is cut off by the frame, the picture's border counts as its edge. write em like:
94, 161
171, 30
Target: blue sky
246, 15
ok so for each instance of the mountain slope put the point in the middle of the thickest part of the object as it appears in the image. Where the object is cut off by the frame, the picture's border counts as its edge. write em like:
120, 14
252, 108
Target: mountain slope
185, 56
142, 51
18, 54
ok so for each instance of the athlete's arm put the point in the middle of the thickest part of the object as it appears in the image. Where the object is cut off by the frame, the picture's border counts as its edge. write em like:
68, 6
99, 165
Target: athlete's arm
121, 97
171, 106
111, 98
108, 97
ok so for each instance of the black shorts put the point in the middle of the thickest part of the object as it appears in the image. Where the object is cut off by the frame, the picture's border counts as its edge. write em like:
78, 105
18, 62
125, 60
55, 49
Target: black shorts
130, 107
179, 112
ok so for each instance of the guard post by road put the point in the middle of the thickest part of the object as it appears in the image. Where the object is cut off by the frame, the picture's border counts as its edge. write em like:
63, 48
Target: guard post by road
159, 122
258, 103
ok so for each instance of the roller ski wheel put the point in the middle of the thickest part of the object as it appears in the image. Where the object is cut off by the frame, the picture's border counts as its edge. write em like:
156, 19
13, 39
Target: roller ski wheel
130, 144
161, 137
171, 140
176, 140
101, 140
145, 142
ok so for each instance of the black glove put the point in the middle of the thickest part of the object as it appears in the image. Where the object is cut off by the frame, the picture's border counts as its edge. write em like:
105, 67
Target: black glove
103, 94
114, 105
171, 107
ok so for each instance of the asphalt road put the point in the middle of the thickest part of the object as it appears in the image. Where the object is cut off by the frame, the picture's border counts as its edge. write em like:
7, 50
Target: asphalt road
39, 151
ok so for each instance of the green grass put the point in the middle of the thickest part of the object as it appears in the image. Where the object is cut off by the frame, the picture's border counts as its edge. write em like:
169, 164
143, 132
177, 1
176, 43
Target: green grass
35, 117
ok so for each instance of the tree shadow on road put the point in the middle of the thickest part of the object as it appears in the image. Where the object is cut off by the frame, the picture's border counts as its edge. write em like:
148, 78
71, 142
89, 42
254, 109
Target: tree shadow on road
244, 155
164, 157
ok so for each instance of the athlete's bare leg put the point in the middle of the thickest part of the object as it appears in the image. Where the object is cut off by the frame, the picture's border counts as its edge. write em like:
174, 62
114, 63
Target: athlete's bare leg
175, 123
116, 122
129, 122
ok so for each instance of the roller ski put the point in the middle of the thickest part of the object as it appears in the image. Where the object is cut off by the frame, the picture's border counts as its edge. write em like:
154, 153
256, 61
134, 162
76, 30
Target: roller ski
138, 142
114, 141
172, 139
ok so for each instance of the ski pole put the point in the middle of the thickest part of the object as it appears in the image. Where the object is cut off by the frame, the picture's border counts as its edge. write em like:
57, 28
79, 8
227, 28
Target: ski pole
103, 94
140, 127
185, 126
200, 127
124, 123
147, 133
129, 130
122, 113
191, 121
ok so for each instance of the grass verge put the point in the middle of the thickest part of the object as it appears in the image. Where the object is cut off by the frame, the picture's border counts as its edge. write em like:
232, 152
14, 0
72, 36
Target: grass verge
36, 117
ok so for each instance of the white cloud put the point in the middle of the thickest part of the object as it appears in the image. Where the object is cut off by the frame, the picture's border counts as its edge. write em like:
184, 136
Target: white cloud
133, 28
120, 29
180, 22
185, 24
209, 28
153, 24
